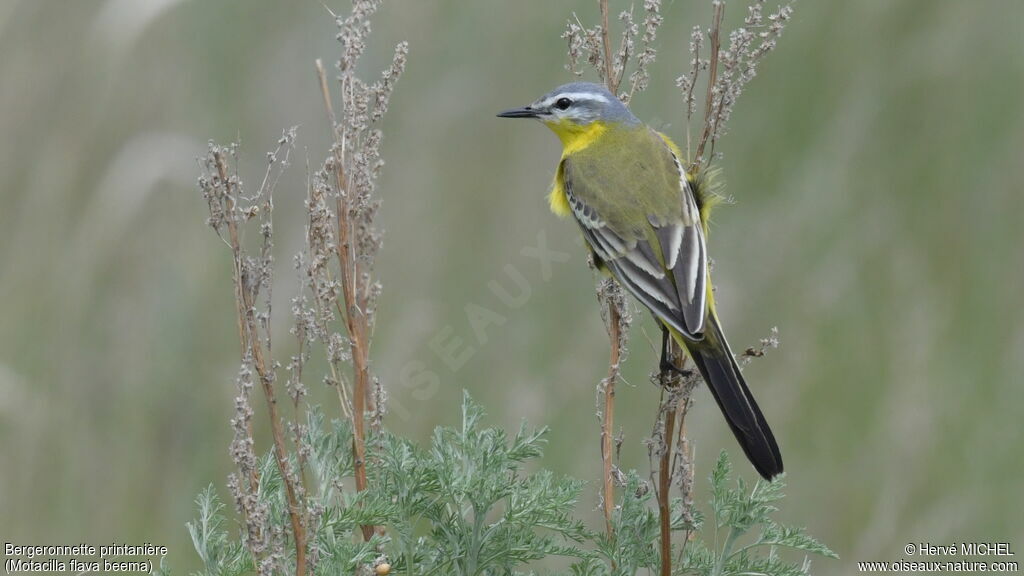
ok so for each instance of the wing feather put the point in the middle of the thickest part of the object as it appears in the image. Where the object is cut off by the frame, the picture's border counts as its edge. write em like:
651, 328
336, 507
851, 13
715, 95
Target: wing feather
664, 262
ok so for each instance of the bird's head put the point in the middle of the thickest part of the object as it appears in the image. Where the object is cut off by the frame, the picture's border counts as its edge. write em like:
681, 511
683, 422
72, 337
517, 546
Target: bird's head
574, 108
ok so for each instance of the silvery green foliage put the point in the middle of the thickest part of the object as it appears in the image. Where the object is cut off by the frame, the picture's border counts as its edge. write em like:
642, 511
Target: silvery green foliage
221, 555
634, 549
471, 504
465, 505
748, 540
739, 538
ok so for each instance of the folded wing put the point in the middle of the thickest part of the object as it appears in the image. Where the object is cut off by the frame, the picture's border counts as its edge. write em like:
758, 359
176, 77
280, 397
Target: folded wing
650, 237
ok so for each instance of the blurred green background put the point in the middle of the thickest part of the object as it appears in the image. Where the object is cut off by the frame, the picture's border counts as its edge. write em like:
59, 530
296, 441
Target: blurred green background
876, 168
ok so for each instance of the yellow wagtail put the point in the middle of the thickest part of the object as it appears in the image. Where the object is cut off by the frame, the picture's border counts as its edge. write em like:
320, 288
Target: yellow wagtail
644, 219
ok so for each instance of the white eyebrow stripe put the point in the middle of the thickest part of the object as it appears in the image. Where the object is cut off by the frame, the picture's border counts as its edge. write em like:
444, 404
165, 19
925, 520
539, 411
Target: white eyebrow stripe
576, 96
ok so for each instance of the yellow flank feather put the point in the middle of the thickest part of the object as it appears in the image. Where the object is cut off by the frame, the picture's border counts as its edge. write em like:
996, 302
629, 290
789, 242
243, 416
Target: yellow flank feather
556, 198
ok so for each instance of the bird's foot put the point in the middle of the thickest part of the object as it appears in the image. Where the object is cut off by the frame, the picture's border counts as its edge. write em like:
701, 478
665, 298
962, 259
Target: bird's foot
666, 365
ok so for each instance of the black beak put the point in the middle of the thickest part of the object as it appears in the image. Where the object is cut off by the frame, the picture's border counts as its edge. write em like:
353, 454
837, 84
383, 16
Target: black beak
524, 112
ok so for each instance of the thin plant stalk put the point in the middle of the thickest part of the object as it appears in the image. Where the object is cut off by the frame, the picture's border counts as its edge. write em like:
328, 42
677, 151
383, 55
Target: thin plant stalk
675, 398
352, 315
608, 423
615, 331
710, 110
249, 335
664, 485
606, 43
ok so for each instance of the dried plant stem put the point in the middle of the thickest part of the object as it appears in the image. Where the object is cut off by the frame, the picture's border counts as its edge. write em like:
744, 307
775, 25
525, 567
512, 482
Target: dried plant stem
614, 329
617, 320
341, 208
606, 42
352, 314
297, 406
243, 339
669, 442
670, 410
250, 339
337, 379
710, 110
664, 485
356, 327
240, 306
608, 412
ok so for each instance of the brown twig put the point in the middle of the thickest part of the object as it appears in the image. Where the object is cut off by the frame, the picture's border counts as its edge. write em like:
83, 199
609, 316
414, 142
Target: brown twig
670, 410
352, 314
608, 422
251, 344
297, 393
682, 462
669, 451
709, 102
664, 485
615, 332
617, 320
606, 42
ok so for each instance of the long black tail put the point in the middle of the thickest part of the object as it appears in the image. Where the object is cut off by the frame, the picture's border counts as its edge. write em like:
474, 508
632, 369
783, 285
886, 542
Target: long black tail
715, 362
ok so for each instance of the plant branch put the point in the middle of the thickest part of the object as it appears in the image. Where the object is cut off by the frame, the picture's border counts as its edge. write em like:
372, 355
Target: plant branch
617, 320
710, 108
351, 315
245, 289
608, 422
675, 399
606, 42
612, 299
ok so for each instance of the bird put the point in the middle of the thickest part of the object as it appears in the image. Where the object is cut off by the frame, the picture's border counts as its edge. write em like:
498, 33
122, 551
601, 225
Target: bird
644, 218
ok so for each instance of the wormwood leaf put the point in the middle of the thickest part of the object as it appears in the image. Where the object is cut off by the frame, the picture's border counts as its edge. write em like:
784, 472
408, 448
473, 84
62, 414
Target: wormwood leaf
465, 505
635, 524
698, 559
720, 480
739, 511
769, 565
734, 507
220, 555
796, 538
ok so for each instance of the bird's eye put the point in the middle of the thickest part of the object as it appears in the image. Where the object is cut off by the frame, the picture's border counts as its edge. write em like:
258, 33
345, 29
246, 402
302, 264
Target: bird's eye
563, 103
